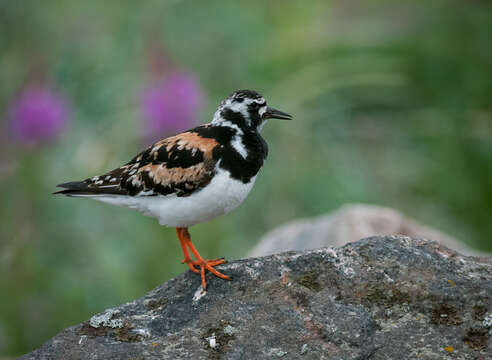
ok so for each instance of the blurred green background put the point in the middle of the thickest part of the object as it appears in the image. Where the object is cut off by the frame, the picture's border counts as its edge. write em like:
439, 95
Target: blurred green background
392, 103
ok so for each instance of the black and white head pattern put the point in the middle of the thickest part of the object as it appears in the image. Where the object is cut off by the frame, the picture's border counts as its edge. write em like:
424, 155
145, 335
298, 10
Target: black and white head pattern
243, 108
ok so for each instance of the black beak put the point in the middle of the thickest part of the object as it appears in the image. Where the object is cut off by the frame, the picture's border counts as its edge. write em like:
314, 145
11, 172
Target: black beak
272, 113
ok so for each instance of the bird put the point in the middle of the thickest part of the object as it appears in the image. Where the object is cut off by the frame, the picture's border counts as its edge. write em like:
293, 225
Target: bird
194, 176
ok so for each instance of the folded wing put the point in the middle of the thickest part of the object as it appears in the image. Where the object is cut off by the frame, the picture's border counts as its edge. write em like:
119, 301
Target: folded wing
179, 165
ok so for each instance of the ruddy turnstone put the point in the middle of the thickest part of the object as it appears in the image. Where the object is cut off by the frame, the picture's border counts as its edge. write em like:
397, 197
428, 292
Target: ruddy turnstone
194, 176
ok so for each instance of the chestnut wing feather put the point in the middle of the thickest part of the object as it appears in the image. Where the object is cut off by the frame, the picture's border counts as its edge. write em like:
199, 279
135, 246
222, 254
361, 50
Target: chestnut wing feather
179, 165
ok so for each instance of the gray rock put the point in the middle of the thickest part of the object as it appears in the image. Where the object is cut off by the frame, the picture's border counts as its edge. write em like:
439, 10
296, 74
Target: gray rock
379, 298
349, 223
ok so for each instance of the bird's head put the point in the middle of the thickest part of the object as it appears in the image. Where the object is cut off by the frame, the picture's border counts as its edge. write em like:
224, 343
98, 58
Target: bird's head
247, 109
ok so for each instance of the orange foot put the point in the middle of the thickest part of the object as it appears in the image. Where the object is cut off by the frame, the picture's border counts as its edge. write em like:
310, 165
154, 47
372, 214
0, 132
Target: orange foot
207, 265
185, 240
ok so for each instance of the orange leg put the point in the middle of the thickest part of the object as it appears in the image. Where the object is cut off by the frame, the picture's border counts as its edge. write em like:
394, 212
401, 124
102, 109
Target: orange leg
187, 258
185, 240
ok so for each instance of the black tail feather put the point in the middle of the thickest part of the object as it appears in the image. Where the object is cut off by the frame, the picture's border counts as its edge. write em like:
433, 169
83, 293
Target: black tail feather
74, 192
79, 188
74, 187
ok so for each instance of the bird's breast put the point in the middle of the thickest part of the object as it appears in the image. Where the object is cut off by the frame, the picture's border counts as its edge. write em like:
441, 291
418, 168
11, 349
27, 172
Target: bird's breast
220, 196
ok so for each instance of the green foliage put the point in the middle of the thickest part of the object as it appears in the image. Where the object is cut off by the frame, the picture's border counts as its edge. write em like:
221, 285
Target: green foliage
392, 106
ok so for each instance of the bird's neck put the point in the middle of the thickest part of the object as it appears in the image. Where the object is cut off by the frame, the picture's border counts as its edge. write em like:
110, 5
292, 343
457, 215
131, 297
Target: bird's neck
245, 150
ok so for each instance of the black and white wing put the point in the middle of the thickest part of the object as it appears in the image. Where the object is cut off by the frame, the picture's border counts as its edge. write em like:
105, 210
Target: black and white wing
179, 165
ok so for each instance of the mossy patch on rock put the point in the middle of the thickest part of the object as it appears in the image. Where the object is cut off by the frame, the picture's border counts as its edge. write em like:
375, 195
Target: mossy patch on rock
88, 330
386, 296
310, 280
216, 339
123, 333
479, 312
153, 304
445, 314
476, 338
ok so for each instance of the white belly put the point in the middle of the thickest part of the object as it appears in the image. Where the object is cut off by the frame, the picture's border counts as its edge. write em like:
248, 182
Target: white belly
222, 195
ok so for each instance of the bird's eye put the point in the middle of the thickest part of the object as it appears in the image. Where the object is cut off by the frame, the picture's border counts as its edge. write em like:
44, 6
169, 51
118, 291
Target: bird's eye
255, 105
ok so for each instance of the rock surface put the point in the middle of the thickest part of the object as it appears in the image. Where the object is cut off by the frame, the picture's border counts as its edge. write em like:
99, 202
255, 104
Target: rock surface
378, 298
349, 223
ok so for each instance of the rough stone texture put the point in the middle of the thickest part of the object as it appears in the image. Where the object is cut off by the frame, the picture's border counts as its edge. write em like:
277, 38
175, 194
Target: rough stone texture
349, 223
379, 298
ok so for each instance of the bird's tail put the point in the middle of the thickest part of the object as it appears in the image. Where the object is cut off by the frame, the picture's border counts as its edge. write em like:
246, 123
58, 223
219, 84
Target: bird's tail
82, 188
74, 188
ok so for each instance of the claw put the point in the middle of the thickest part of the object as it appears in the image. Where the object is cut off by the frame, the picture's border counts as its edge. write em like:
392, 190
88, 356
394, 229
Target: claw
209, 265
215, 262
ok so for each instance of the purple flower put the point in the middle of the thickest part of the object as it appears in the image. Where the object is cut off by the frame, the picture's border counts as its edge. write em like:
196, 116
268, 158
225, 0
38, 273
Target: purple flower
38, 115
170, 106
